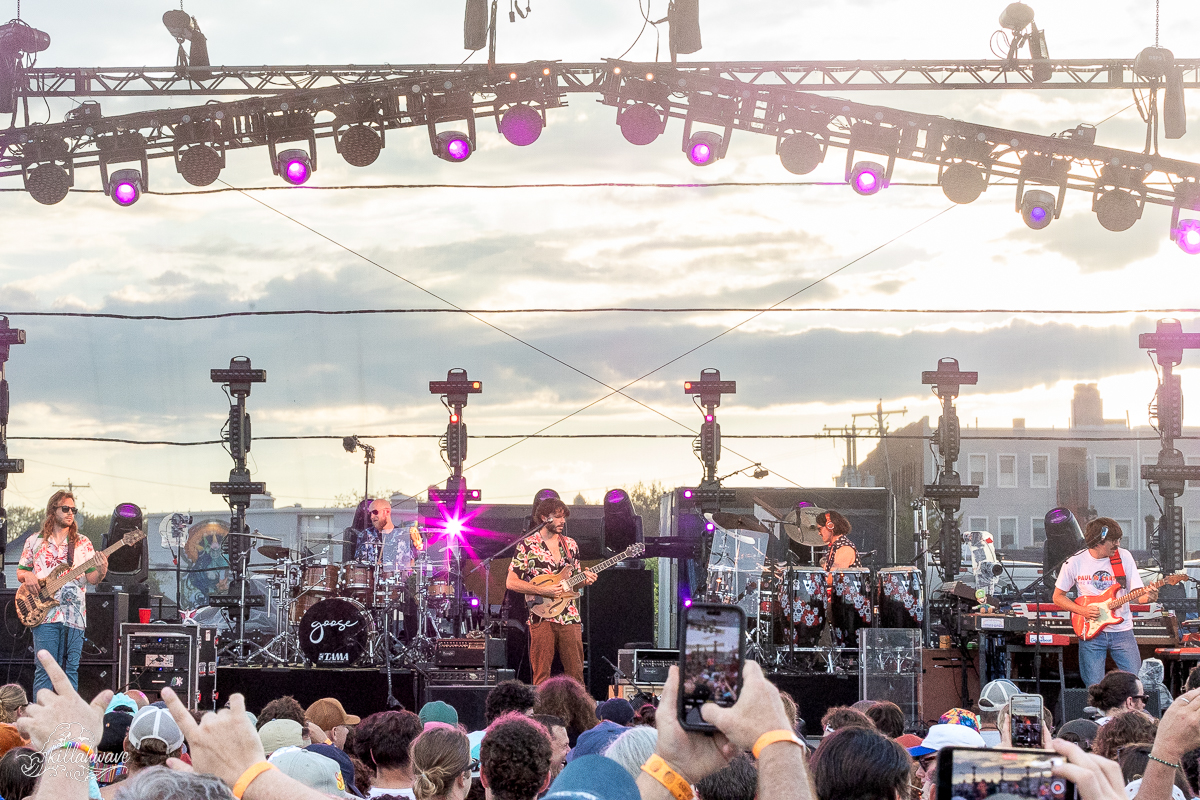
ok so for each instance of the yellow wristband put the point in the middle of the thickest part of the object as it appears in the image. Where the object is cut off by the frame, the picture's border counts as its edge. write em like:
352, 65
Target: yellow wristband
248, 777
665, 774
771, 737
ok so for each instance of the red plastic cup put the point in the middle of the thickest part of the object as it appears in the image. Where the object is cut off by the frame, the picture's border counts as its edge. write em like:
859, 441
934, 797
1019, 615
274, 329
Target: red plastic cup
144, 616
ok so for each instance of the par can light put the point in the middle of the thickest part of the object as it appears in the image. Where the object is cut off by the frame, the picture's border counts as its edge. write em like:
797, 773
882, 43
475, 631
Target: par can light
1187, 236
1037, 208
521, 125
703, 148
640, 123
1117, 210
866, 177
801, 153
963, 183
360, 145
48, 183
200, 165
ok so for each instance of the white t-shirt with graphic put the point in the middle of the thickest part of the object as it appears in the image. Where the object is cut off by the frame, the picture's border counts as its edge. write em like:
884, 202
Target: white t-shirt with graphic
1091, 576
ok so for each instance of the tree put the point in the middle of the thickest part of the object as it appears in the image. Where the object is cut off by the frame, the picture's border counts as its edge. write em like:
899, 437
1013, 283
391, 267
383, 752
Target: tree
22, 519
646, 498
579, 500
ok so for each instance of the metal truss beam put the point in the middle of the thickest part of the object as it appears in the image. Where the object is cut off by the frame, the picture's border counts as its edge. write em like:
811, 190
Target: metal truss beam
814, 76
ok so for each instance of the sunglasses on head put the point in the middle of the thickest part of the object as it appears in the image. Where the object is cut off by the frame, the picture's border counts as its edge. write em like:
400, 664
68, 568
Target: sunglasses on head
67, 509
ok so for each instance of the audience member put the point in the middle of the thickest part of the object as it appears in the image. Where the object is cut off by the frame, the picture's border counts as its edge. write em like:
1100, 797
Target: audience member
1193, 679
280, 733
284, 707
1151, 675
564, 697
737, 780
152, 738
860, 763
346, 764
441, 763
1133, 758
160, 783
10, 737
515, 758
593, 778
19, 769
508, 696
646, 715
1079, 731
1116, 692
1130, 727
792, 710
329, 715
939, 736
559, 745
616, 709
862, 705
992, 697
381, 741
842, 716
438, 711
595, 741
888, 718
632, 748
12, 702
313, 770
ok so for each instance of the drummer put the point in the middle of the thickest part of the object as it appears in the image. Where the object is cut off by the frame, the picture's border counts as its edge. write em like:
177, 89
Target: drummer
840, 552
381, 539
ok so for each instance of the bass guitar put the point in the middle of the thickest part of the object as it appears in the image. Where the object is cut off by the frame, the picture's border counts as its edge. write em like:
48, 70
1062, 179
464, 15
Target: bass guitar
35, 601
547, 607
1108, 602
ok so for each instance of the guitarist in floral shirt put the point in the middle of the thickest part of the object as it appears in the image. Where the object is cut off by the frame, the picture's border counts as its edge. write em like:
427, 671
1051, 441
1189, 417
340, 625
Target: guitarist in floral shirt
62, 632
546, 553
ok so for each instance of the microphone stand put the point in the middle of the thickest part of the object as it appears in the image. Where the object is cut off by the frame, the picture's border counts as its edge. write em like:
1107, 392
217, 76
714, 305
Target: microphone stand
1037, 620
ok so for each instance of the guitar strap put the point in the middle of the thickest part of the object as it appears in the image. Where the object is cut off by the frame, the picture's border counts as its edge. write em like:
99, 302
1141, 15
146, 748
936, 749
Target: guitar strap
1118, 568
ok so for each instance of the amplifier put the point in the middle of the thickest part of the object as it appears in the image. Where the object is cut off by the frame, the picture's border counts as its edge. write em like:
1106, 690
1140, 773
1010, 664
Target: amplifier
646, 665
453, 677
235, 600
469, 653
183, 657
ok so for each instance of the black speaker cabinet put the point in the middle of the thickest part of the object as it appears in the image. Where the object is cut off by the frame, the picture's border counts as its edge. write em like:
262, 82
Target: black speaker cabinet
105, 613
16, 641
618, 608
466, 700
93, 678
1074, 701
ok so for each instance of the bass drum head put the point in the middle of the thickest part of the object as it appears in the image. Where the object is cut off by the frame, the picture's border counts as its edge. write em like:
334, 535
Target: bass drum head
335, 632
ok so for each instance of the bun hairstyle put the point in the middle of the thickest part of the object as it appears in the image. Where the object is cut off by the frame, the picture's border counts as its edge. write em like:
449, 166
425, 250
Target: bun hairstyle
439, 755
1113, 690
12, 700
1100, 531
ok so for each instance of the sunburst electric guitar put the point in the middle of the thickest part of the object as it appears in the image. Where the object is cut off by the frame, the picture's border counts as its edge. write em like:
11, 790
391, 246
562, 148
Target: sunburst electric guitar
1108, 602
547, 607
35, 601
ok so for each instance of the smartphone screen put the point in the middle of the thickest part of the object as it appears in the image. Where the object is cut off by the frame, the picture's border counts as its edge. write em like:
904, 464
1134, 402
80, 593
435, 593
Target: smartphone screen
1026, 720
711, 653
980, 773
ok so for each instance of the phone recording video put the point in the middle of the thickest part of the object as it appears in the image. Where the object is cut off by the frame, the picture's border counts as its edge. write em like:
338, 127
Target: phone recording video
1025, 723
967, 772
711, 653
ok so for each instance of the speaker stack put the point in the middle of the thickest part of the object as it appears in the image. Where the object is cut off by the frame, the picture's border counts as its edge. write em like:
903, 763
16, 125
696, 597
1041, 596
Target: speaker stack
457, 676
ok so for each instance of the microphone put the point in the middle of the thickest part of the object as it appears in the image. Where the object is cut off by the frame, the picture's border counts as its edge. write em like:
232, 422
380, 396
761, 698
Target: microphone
617, 673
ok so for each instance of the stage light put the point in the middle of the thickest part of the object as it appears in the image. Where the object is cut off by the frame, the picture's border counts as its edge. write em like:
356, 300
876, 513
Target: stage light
200, 165
48, 183
703, 148
622, 526
1187, 236
1037, 208
126, 186
866, 177
687, 602
521, 125
294, 166
454, 527
452, 146
800, 153
640, 123
963, 183
543, 494
1117, 209
1016, 17
359, 145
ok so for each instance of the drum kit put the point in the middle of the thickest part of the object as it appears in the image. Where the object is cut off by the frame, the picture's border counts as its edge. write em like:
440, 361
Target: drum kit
359, 613
803, 617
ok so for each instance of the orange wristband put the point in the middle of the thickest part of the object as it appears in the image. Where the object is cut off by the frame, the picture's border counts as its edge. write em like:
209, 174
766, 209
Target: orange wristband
771, 737
665, 774
243, 783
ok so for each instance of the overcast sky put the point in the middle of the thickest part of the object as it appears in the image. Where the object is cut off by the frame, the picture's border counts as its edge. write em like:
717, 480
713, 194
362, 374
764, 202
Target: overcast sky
746, 247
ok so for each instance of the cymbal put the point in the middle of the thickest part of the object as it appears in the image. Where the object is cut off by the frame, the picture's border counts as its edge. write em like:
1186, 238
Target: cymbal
738, 522
804, 536
268, 570
274, 551
255, 535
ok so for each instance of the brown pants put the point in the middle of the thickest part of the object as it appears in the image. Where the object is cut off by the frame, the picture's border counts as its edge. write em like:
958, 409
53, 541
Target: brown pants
544, 637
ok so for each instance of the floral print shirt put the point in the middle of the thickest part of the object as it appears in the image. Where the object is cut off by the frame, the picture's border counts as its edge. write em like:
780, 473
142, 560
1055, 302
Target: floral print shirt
41, 556
533, 557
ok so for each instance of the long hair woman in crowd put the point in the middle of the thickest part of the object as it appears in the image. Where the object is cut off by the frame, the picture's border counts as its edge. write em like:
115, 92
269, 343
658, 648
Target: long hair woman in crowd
565, 698
441, 763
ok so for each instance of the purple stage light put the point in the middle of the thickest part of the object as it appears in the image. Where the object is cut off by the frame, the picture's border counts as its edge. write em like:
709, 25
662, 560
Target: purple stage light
452, 146
866, 183
1058, 515
125, 193
127, 510
1187, 236
700, 153
474, 602
687, 602
615, 496
703, 148
1037, 214
295, 166
866, 177
708, 417
521, 125
297, 172
687, 493
1037, 208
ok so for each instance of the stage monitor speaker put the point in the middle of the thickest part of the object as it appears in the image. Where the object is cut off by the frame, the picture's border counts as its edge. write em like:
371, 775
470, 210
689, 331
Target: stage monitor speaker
105, 613
93, 678
1073, 703
16, 641
618, 608
468, 701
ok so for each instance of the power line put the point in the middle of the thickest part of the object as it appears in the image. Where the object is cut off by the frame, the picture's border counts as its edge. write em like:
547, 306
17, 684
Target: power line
598, 185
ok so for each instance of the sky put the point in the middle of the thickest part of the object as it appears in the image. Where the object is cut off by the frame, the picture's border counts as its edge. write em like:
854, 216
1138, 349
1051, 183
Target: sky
568, 248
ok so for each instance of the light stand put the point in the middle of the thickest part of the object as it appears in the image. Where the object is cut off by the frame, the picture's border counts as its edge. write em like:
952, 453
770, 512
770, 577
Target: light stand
352, 443
238, 490
454, 391
8, 337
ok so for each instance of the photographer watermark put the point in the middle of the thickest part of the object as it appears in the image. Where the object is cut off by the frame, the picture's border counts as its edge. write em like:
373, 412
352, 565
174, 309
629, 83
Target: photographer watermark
69, 751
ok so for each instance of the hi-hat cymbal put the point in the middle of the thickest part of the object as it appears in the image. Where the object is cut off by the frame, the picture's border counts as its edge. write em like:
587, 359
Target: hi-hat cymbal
275, 552
738, 522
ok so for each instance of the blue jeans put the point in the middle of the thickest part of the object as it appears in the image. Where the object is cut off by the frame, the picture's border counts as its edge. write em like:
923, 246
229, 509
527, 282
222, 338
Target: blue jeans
1092, 653
65, 644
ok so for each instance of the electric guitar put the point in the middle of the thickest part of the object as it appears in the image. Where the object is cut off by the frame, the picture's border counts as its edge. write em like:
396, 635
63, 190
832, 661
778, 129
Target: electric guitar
547, 607
1108, 601
35, 601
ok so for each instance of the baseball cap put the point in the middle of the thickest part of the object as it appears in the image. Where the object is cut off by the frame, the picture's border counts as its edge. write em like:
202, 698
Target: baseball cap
946, 735
327, 713
116, 725
313, 770
438, 711
616, 709
343, 762
593, 778
155, 724
1084, 729
122, 700
280, 733
960, 716
995, 694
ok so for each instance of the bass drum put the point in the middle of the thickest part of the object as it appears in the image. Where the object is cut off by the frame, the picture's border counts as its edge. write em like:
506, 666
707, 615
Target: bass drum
849, 605
335, 632
900, 597
804, 604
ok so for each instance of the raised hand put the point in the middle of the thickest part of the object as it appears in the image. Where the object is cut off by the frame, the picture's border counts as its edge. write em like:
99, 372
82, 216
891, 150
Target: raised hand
224, 743
62, 715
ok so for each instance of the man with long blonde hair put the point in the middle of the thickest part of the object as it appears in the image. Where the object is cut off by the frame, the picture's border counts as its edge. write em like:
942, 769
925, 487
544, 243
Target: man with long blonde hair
59, 542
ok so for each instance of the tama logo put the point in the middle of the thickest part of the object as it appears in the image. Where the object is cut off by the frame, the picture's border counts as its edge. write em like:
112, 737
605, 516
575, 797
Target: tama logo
327, 657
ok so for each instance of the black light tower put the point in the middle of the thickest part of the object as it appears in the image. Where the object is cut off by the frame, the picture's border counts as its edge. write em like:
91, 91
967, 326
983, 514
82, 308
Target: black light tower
1170, 473
238, 489
707, 446
8, 337
454, 391
949, 490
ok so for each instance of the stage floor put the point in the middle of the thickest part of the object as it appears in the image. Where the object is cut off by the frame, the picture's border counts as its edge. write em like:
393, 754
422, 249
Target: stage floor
361, 691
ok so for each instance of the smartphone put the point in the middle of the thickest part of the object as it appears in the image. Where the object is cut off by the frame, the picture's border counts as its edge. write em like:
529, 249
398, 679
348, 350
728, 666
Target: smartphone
712, 651
981, 772
1025, 720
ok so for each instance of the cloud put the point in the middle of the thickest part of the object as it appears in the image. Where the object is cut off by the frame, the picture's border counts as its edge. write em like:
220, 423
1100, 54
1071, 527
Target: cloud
1080, 237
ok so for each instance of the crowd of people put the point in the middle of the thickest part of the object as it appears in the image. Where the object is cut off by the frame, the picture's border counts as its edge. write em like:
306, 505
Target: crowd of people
555, 742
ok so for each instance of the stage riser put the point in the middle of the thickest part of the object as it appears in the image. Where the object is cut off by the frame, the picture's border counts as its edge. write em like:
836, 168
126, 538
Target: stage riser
361, 691
816, 693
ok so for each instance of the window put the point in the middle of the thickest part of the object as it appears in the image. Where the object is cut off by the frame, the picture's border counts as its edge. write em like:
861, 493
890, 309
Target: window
1132, 538
1192, 461
1008, 533
314, 528
977, 523
977, 470
1006, 475
1113, 472
1192, 536
1038, 526
1039, 472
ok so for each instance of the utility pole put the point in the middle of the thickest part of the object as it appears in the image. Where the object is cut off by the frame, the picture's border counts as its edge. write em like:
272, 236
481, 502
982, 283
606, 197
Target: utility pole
850, 476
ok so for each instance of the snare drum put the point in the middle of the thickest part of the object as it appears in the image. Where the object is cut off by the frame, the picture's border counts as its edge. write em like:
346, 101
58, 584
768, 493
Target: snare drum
804, 604
900, 596
358, 581
321, 579
849, 605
